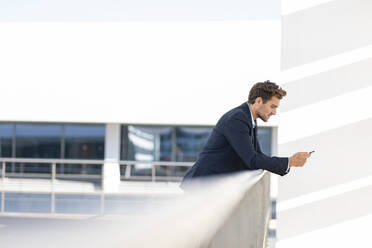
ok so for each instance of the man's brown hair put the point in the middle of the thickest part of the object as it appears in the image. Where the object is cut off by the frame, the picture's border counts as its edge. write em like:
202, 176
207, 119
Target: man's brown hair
266, 90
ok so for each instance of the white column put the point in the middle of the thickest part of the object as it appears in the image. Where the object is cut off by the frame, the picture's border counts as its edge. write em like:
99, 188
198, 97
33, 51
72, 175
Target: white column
111, 168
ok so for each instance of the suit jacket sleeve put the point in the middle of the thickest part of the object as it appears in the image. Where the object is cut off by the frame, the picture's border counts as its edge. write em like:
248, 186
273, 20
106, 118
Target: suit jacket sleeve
260, 151
238, 133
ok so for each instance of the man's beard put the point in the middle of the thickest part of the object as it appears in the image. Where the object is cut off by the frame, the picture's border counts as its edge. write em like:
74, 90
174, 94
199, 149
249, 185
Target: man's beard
259, 116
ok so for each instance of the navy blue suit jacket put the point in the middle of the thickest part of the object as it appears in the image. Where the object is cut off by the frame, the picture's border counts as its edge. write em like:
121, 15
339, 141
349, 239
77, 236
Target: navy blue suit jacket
230, 148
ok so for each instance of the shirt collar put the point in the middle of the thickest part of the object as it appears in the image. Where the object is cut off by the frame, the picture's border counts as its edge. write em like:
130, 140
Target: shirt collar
253, 122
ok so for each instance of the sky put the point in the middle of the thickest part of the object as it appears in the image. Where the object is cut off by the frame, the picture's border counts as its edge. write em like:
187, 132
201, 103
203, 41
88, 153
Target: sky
139, 10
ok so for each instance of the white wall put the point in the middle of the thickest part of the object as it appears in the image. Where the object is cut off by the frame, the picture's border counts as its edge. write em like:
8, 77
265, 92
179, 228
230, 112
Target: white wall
133, 72
326, 59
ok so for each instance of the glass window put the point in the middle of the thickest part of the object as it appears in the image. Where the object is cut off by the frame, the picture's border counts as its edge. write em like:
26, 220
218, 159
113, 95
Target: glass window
181, 144
6, 137
145, 143
148, 143
38, 140
84, 141
190, 142
264, 137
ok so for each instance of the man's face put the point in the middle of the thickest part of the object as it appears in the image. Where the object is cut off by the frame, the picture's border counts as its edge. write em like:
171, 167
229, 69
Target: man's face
265, 110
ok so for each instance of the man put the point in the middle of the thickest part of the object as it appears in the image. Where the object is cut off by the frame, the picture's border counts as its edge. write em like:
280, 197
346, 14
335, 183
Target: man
233, 145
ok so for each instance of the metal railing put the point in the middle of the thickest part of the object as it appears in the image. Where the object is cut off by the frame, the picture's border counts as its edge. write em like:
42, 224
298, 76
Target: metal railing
130, 164
53, 167
53, 175
127, 175
219, 212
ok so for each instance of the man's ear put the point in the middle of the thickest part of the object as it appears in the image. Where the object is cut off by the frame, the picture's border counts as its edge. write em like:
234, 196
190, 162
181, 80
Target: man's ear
259, 100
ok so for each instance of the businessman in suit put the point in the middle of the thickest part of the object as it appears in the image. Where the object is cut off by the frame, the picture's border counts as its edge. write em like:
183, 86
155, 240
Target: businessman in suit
233, 145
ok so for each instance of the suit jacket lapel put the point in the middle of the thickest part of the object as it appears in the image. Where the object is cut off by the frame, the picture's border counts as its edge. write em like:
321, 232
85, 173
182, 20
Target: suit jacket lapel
253, 133
245, 108
255, 138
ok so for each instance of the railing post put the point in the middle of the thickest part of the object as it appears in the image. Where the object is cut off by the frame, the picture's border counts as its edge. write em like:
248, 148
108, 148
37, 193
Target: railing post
3, 170
2, 201
102, 175
53, 172
52, 203
153, 173
128, 168
102, 203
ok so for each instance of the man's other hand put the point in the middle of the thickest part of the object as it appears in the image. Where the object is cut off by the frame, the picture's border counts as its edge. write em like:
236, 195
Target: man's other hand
298, 159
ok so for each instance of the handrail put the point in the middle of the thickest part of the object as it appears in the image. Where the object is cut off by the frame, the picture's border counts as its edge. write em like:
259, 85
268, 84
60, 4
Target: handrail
225, 211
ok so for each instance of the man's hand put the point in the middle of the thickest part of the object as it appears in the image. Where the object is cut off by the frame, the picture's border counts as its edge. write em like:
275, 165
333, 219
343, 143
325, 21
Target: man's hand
298, 159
